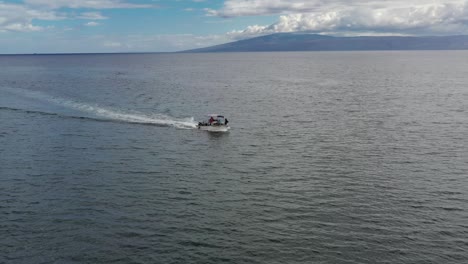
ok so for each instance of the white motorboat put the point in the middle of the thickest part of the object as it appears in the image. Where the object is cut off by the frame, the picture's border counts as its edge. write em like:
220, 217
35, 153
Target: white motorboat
215, 123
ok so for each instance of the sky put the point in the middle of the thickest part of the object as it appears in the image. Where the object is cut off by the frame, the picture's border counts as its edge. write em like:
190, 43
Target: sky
82, 26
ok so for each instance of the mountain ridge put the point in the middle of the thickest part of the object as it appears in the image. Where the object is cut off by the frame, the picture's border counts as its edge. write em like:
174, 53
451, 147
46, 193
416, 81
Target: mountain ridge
315, 42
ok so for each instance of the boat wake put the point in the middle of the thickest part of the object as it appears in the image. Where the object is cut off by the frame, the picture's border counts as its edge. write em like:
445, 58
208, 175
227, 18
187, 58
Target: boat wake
96, 113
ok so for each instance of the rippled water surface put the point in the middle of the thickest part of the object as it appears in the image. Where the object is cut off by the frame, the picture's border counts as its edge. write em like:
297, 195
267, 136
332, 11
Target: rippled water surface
338, 157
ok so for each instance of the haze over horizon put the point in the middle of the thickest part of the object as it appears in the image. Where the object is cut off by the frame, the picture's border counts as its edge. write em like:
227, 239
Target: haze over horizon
61, 26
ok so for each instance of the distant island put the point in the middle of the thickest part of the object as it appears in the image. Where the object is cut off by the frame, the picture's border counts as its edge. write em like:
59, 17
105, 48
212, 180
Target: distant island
316, 42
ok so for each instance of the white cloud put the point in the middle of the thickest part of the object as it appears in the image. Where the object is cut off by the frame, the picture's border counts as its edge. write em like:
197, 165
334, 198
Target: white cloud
14, 17
433, 18
233, 8
249, 32
112, 44
91, 16
20, 17
92, 24
94, 4
170, 42
22, 27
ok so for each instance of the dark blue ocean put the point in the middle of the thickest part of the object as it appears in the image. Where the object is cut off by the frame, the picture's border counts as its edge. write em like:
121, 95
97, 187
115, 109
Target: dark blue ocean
332, 157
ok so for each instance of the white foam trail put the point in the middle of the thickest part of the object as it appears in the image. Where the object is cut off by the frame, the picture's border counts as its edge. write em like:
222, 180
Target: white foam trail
157, 119
108, 114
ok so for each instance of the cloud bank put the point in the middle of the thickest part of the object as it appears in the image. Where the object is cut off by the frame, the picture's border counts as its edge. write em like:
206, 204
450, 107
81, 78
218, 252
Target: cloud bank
352, 17
19, 17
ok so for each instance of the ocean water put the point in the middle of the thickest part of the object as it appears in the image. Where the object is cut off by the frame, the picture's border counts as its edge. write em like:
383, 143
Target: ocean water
334, 157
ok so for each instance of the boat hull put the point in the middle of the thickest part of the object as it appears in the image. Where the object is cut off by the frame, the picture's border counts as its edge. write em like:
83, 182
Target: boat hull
214, 128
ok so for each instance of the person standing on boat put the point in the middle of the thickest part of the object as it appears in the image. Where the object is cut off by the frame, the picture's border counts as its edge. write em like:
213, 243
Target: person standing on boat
226, 121
211, 120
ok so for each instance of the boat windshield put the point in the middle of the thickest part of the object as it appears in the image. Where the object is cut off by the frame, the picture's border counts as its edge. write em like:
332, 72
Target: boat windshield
217, 120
